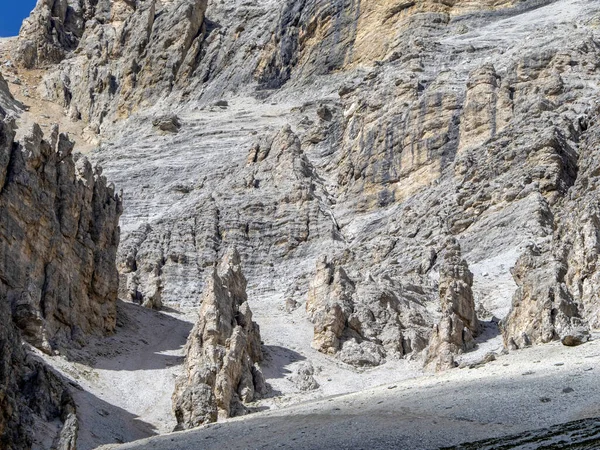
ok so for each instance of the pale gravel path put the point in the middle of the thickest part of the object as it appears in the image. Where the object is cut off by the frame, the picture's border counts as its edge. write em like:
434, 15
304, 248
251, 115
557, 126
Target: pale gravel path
123, 384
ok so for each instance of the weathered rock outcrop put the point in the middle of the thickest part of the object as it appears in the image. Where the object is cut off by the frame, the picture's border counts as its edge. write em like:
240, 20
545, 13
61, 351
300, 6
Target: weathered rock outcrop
53, 29
123, 55
58, 280
303, 377
362, 322
543, 308
56, 27
222, 353
329, 304
7, 102
558, 279
58, 237
455, 332
408, 123
35, 406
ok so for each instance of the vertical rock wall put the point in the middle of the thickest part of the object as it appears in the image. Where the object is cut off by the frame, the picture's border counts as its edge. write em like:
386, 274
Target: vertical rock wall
58, 240
58, 280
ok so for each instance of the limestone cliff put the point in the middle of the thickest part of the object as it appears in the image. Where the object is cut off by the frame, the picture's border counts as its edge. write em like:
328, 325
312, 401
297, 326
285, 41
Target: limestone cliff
558, 279
58, 237
370, 133
380, 134
123, 54
58, 240
35, 405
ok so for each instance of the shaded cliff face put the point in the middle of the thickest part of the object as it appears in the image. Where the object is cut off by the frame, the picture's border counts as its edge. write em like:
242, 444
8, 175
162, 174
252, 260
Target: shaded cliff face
59, 235
35, 405
366, 133
58, 240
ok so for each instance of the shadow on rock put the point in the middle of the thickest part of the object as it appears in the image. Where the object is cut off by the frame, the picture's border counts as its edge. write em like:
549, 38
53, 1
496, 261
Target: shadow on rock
102, 423
142, 338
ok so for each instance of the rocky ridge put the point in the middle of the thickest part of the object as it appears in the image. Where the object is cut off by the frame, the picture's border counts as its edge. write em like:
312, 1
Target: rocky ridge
59, 240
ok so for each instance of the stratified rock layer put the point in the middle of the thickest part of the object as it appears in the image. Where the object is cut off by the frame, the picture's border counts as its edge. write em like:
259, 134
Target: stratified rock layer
407, 123
58, 240
222, 352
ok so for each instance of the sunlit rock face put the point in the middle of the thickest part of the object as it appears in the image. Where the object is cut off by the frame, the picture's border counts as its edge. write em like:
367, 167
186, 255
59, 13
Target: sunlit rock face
221, 371
366, 133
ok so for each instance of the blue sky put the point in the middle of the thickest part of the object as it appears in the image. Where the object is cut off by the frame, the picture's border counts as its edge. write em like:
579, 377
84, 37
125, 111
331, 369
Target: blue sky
12, 13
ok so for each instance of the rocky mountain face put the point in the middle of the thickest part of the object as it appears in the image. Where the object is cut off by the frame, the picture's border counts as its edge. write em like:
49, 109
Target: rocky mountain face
558, 279
221, 370
58, 240
400, 175
124, 54
425, 125
35, 406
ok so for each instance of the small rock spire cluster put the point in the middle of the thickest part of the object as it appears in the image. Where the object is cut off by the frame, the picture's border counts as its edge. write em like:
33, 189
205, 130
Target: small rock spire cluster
221, 371
455, 332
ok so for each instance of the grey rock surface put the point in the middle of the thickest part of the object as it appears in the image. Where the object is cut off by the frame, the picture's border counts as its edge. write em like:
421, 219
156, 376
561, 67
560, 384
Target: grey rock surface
8, 104
221, 371
36, 408
303, 377
58, 239
459, 325
59, 236
449, 133
369, 132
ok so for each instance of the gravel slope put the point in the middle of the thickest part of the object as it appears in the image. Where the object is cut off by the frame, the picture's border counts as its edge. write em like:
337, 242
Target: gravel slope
530, 389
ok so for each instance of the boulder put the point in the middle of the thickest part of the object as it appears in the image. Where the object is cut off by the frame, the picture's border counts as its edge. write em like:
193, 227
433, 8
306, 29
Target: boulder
167, 124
